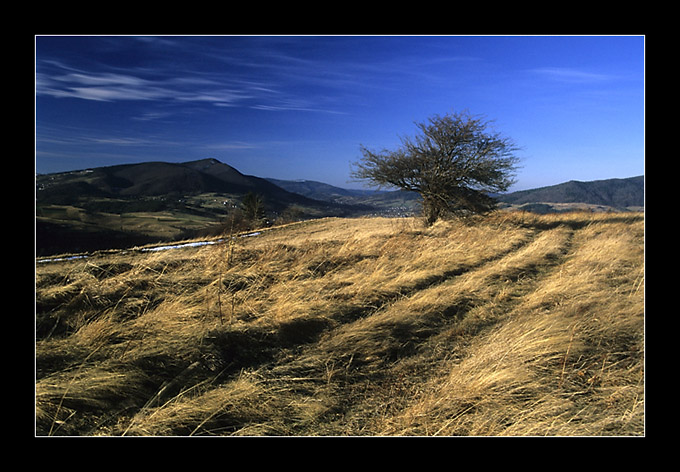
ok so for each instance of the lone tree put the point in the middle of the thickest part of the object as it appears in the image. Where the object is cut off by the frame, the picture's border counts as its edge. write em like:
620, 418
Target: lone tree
453, 163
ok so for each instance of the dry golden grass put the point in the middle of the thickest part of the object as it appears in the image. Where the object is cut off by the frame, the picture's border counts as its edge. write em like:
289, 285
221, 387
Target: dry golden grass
513, 324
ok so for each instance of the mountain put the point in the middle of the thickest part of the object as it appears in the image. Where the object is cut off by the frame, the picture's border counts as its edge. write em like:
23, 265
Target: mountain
319, 190
614, 193
384, 203
132, 204
149, 179
617, 194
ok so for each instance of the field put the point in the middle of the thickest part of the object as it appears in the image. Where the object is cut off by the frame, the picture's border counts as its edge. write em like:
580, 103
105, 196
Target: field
514, 324
124, 223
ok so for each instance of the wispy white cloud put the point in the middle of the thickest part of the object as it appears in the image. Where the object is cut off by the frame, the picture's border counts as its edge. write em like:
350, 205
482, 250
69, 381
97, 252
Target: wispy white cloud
293, 106
153, 116
223, 97
231, 145
123, 141
274, 75
572, 76
109, 87
219, 89
81, 137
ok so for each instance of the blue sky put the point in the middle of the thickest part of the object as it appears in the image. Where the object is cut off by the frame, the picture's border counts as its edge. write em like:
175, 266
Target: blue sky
299, 107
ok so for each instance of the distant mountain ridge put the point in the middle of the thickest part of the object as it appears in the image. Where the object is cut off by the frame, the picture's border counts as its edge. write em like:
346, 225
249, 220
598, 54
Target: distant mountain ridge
319, 190
211, 175
133, 204
612, 193
615, 193
160, 179
375, 202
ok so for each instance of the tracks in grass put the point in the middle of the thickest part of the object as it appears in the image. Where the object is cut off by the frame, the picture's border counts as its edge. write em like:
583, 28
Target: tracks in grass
316, 347
371, 362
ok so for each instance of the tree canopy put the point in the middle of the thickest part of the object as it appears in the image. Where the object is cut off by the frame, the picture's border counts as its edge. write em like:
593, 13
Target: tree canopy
454, 163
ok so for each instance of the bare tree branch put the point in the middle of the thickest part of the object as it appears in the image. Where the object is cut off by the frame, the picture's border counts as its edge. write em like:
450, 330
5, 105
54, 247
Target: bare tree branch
453, 163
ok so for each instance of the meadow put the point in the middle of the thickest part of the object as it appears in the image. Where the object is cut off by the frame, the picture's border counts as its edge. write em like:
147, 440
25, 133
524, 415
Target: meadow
512, 324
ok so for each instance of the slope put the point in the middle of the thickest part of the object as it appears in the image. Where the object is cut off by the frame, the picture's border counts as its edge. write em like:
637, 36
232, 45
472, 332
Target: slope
234, 180
616, 193
115, 206
319, 190
515, 324
158, 179
375, 202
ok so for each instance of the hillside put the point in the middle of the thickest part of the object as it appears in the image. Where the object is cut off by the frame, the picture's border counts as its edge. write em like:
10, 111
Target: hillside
132, 204
374, 202
126, 205
149, 179
607, 195
320, 190
510, 325
615, 193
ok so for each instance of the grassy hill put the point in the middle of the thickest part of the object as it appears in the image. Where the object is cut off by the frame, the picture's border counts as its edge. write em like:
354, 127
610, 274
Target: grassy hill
514, 324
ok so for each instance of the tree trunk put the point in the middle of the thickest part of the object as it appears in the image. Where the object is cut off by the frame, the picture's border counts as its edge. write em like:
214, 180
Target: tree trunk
431, 210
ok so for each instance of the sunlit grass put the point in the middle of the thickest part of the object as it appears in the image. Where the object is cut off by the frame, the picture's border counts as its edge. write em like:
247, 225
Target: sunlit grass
513, 324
